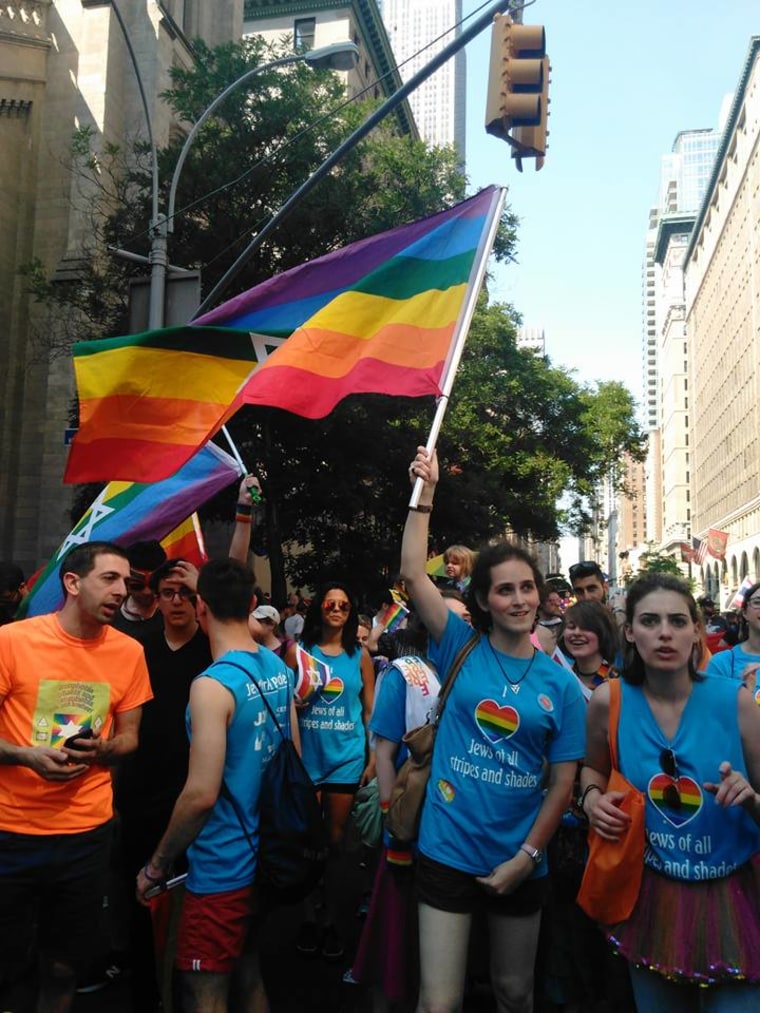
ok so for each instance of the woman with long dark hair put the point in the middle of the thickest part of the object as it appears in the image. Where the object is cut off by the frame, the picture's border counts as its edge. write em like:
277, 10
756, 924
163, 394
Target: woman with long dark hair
691, 744
333, 728
512, 716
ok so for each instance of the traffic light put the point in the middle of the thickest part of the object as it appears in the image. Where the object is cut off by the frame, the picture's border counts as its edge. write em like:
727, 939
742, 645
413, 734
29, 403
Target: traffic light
517, 105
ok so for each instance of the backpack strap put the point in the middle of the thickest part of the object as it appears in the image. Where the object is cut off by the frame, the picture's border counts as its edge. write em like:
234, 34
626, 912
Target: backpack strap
234, 664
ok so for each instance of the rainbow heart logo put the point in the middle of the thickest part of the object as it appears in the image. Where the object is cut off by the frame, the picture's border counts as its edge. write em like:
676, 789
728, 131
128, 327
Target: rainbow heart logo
446, 791
496, 722
757, 697
677, 799
332, 690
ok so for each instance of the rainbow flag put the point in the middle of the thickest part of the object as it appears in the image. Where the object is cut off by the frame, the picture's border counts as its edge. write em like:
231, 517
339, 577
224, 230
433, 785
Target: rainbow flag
378, 316
313, 676
126, 512
186, 542
148, 401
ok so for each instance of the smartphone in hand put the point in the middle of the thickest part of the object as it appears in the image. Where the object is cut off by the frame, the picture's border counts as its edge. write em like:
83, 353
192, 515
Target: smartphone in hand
70, 743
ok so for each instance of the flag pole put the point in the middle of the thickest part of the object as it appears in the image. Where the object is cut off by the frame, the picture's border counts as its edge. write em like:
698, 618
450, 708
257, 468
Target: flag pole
234, 450
462, 328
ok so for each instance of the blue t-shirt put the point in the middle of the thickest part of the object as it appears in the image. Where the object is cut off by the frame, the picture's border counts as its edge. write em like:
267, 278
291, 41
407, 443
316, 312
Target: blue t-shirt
689, 836
731, 664
485, 791
220, 857
333, 740
390, 715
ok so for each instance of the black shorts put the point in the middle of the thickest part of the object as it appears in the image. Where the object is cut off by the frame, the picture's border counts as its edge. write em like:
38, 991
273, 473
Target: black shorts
336, 788
52, 890
446, 889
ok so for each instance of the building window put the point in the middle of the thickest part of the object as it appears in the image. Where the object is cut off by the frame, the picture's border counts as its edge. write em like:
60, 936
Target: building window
303, 34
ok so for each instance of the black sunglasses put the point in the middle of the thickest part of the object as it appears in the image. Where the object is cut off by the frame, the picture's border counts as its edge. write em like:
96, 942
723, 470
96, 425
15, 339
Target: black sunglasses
669, 765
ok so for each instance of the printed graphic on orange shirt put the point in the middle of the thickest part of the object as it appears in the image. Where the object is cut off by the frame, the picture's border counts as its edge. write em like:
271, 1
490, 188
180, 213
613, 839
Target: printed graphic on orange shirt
64, 709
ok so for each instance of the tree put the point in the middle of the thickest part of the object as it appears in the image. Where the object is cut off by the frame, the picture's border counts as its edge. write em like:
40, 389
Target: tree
518, 435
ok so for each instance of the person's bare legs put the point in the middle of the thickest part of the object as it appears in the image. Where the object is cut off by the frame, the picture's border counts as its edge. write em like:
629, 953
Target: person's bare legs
513, 942
57, 985
337, 809
204, 992
443, 959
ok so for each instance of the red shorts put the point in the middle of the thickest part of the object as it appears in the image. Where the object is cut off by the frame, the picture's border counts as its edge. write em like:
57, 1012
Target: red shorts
213, 930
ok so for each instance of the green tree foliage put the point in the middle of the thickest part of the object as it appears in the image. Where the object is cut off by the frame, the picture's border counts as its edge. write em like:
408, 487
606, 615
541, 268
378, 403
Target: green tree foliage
516, 438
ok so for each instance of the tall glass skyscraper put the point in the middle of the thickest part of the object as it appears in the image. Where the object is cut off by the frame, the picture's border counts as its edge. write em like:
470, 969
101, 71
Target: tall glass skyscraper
438, 104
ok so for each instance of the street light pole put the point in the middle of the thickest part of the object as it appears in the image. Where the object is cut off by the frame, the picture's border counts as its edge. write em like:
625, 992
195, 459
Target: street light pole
337, 56
388, 106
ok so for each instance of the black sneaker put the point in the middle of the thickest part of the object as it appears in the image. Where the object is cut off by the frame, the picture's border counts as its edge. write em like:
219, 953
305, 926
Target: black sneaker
100, 976
332, 944
307, 941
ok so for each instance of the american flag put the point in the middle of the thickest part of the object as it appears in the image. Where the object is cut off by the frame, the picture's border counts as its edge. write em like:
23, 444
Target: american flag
700, 550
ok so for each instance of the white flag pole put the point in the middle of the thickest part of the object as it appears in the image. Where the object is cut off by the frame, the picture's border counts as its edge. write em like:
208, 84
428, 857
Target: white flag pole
462, 328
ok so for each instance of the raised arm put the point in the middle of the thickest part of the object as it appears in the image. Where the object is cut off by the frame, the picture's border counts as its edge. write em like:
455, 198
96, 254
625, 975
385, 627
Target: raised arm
423, 592
241, 536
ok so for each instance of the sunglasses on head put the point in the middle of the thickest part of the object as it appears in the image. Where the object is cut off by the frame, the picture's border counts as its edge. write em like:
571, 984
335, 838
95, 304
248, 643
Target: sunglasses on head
331, 604
587, 568
669, 765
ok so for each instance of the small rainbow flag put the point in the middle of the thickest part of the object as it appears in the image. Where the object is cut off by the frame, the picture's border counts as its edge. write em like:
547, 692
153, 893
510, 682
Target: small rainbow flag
313, 676
186, 542
396, 613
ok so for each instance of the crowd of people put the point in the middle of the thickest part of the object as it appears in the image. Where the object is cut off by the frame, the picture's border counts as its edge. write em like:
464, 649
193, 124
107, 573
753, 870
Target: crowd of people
146, 711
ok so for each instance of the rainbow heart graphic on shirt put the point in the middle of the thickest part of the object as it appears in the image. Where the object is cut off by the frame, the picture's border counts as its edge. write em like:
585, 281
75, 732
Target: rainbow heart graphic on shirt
677, 799
496, 722
332, 690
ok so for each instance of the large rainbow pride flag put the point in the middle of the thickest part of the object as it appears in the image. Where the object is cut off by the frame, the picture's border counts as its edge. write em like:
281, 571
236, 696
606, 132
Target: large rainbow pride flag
148, 401
377, 316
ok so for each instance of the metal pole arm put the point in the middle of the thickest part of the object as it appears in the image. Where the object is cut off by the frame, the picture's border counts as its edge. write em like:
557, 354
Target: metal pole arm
388, 106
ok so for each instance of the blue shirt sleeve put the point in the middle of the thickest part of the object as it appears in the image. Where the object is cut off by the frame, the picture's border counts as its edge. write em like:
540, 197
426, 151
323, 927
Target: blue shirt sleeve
569, 743
720, 664
455, 635
389, 716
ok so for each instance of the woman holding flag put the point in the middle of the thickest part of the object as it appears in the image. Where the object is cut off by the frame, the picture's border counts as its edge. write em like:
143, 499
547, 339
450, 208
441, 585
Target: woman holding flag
512, 716
333, 719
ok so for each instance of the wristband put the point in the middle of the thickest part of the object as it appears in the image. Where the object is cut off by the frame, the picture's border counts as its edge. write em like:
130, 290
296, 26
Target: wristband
242, 519
243, 508
422, 509
582, 799
385, 806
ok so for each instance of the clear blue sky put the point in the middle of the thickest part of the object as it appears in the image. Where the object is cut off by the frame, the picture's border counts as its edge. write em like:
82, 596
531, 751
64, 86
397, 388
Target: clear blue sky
626, 78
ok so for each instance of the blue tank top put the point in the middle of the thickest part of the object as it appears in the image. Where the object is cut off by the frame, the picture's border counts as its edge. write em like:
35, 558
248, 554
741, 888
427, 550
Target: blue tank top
689, 837
333, 739
220, 857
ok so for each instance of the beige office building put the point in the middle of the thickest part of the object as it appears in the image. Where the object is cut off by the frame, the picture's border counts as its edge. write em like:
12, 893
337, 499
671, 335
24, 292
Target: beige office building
65, 66
722, 287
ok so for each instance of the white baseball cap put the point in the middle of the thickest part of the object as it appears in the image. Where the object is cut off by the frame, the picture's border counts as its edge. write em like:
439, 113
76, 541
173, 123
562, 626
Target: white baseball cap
267, 612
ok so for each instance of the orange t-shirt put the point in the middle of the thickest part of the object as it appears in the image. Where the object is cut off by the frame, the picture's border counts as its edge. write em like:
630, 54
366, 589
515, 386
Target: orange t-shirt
54, 685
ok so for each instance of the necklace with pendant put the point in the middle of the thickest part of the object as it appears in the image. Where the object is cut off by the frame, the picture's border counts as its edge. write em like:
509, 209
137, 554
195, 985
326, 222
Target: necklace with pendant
514, 684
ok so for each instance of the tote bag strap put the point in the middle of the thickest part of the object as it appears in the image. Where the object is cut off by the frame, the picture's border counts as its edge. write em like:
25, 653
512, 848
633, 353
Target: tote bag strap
456, 665
614, 720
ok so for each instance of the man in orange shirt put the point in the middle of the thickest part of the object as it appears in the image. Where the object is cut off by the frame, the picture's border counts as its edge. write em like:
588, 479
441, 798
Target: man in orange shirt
71, 692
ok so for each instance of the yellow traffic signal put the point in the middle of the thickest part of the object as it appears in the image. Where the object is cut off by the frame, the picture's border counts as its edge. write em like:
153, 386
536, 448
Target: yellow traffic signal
517, 105
531, 141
